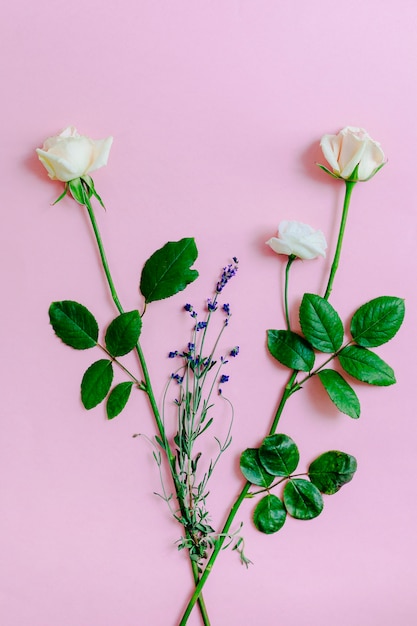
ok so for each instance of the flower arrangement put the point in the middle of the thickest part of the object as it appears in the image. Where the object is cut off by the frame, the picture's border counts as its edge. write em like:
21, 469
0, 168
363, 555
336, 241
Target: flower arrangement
326, 348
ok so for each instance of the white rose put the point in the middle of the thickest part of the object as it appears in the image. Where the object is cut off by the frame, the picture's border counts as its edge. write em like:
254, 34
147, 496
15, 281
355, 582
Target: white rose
351, 148
69, 155
298, 239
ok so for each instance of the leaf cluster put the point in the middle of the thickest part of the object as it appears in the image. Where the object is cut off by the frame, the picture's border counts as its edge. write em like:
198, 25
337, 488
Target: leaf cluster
372, 325
274, 463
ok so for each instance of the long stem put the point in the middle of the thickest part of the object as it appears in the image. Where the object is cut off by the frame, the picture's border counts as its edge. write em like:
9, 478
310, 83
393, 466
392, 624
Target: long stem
291, 260
348, 192
148, 385
288, 391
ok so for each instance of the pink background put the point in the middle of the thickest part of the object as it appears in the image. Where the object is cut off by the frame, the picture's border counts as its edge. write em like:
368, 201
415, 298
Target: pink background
216, 109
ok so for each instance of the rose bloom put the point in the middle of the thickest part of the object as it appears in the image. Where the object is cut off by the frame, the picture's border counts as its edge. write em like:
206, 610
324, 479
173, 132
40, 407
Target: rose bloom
298, 239
350, 148
69, 155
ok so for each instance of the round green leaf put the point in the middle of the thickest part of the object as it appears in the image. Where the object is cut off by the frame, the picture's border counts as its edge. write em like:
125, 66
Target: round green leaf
340, 392
269, 515
123, 333
96, 383
253, 470
331, 470
377, 321
168, 271
366, 366
320, 323
291, 350
118, 398
302, 499
74, 324
279, 455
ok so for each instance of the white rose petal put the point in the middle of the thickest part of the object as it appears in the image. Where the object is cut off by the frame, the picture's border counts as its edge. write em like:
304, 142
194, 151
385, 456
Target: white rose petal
352, 147
298, 239
69, 155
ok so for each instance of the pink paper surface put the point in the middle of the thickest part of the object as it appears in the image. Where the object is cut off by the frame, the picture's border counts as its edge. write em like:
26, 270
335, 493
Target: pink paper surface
217, 110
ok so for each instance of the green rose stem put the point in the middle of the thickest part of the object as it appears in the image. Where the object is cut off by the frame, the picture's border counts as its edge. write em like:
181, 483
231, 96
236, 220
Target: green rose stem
289, 389
348, 192
291, 260
147, 382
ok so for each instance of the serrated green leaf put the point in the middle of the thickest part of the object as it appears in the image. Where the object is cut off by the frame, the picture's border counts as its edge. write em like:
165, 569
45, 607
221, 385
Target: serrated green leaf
96, 383
118, 398
302, 499
74, 324
279, 455
366, 366
123, 333
269, 515
340, 392
168, 271
291, 350
377, 321
320, 323
331, 470
253, 470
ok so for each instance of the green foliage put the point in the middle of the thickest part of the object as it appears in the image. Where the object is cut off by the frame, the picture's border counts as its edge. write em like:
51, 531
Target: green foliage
330, 471
269, 515
279, 455
302, 499
366, 366
340, 392
96, 383
74, 324
118, 398
253, 470
291, 350
320, 323
123, 333
377, 321
168, 271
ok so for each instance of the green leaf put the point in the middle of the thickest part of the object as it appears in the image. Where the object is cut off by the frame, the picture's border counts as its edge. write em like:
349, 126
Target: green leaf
74, 324
366, 366
253, 470
168, 271
320, 323
377, 321
269, 515
302, 499
340, 392
291, 350
118, 398
279, 455
123, 333
331, 470
96, 383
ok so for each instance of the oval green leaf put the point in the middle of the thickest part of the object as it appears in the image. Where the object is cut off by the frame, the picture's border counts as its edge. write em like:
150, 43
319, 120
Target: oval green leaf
253, 470
340, 393
74, 324
96, 383
366, 366
118, 398
168, 271
279, 455
331, 470
291, 350
123, 333
302, 499
269, 515
320, 323
377, 321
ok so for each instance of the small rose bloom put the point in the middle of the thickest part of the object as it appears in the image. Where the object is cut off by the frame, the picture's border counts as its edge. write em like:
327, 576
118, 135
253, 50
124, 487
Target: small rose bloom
69, 155
298, 239
352, 148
